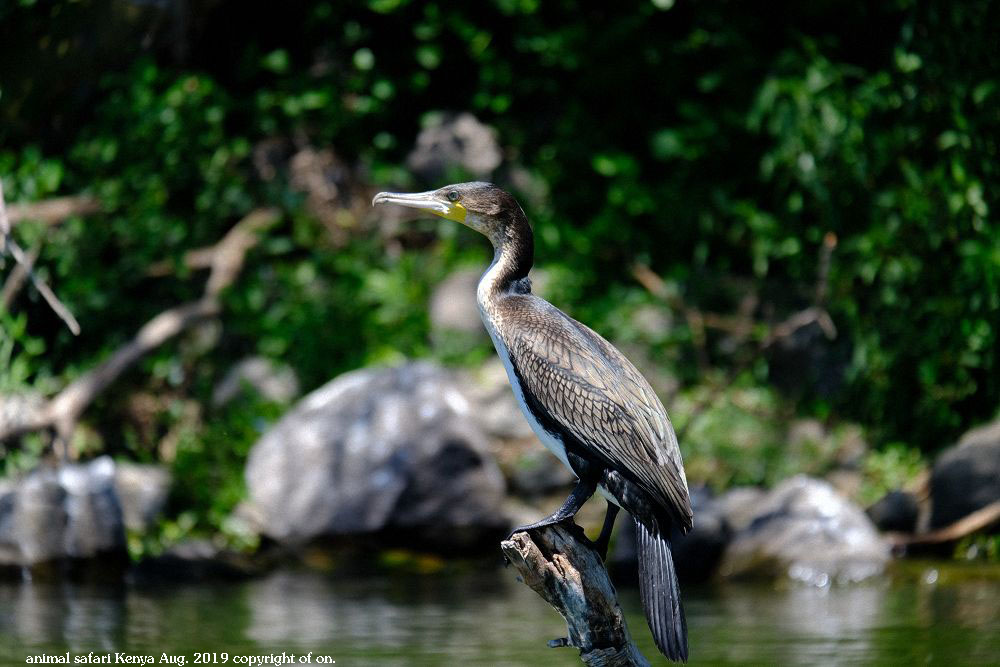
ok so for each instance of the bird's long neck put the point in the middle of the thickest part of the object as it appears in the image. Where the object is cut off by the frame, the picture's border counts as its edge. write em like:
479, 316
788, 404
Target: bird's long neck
513, 255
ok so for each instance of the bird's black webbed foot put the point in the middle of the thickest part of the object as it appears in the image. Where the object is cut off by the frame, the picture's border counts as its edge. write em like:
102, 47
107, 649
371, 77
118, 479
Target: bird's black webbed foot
547, 521
583, 490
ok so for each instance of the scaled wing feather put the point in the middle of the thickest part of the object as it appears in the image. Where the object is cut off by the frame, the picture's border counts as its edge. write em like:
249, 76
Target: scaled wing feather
596, 394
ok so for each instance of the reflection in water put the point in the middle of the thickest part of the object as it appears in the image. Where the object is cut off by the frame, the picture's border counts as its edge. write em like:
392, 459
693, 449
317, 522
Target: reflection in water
489, 618
78, 617
814, 623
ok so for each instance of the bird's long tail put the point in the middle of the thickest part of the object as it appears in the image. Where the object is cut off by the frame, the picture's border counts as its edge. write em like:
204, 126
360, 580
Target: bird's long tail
661, 594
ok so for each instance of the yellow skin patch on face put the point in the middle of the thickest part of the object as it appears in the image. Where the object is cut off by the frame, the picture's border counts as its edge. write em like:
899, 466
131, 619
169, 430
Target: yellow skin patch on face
455, 212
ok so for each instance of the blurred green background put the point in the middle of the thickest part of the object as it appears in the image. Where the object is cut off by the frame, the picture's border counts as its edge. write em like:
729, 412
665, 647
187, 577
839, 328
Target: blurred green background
698, 176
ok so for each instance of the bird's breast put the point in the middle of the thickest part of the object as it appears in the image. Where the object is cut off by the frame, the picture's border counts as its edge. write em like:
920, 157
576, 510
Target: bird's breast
552, 441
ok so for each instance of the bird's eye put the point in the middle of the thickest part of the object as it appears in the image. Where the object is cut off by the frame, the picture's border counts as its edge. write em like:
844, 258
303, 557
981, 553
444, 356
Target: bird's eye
452, 196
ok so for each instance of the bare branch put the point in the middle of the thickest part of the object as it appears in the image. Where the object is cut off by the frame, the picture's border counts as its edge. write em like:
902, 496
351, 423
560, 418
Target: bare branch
53, 211
569, 575
11, 246
695, 318
199, 258
17, 276
798, 320
206, 258
229, 253
981, 519
823, 274
64, 410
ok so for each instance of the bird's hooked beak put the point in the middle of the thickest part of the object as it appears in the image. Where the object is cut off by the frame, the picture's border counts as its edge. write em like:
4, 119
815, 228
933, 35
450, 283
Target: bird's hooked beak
434, 201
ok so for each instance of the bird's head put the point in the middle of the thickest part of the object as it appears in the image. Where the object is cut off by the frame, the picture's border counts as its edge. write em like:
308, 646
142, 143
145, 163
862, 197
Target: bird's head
482, 206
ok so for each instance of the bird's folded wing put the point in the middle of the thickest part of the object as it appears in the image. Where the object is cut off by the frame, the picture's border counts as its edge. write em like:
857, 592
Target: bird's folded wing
590, 389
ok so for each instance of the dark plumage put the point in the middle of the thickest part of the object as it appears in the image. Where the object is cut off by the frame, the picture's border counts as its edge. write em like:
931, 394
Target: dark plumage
584, 399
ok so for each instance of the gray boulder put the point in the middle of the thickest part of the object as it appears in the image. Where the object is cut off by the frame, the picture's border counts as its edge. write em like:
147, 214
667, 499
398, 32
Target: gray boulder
455, 140
496, 409
453, 306
55, 513
389, 450
530, 470
966, 477
896, 511
740, 506
805, 531
142, 490
273, 381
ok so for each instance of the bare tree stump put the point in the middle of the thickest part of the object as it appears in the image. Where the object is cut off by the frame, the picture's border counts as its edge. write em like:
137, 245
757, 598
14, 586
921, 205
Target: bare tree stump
558, 563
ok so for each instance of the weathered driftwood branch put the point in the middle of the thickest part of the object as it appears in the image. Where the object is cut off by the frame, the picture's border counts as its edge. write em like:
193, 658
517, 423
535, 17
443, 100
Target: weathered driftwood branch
53, 211
557, 563
10, 246
63, 411
981, 519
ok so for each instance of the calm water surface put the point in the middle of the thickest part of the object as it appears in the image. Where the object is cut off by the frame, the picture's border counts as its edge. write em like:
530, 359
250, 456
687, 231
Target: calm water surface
924, 616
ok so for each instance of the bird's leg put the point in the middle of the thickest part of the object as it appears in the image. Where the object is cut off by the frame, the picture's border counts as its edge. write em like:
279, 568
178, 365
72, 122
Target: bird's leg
583, 490
602, 541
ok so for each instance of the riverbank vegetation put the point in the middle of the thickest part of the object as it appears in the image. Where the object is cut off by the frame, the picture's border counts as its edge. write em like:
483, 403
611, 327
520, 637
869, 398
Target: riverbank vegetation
784, 216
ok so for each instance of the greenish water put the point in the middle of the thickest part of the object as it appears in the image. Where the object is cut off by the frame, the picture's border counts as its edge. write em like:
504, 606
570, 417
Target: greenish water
922, 616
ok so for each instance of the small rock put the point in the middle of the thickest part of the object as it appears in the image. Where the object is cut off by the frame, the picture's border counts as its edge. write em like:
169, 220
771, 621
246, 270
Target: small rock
453, 304
450, 140
896, 511
846, 481
57, 513
272, 380
810, 361
94, 515
497, 412
986, 434
142, 491
39, 519
806, 432
740, 506
805, 531
966, 477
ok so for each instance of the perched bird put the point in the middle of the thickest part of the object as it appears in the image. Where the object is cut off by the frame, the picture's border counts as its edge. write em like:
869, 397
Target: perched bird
586, 402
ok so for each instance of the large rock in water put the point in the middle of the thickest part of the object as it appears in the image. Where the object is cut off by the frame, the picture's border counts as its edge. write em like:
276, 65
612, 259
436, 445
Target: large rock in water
56, 513
805, 531
966, 477
392, 450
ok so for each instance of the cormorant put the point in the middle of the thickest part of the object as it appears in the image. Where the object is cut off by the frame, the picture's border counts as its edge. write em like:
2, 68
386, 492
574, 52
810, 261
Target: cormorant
586, 402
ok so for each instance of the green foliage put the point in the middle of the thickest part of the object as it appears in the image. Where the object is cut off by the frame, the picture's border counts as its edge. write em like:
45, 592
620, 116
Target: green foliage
716, 143
208, 467
979, 546
737, 439
894, 467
